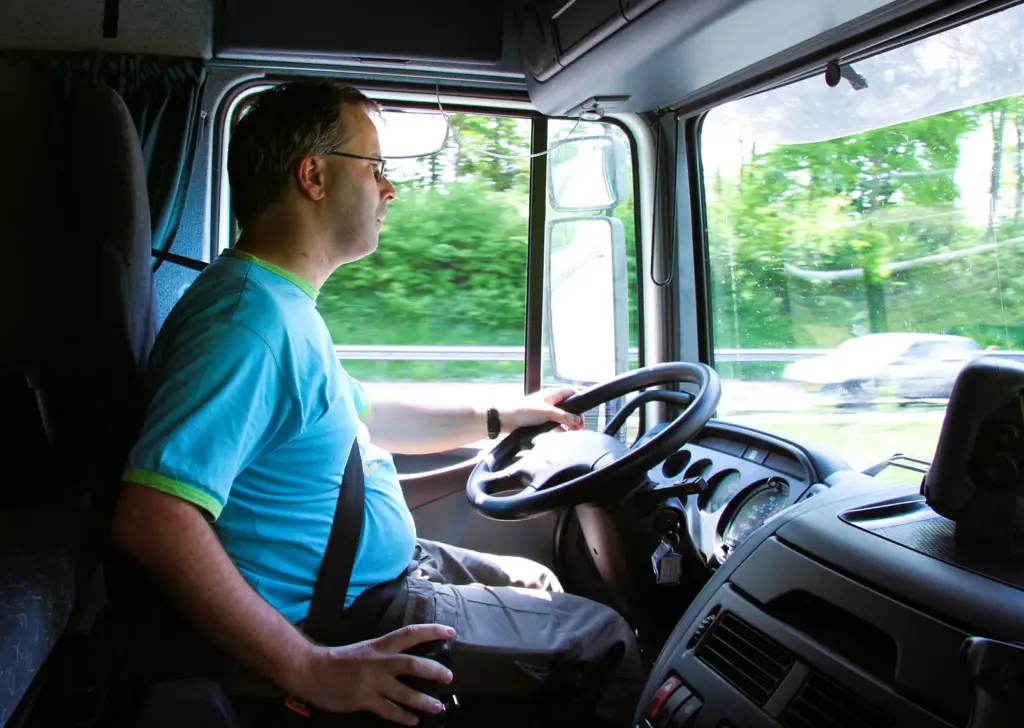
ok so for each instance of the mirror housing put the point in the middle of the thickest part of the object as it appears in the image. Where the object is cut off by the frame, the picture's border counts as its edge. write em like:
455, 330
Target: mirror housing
410, 133
586, 298
588, 174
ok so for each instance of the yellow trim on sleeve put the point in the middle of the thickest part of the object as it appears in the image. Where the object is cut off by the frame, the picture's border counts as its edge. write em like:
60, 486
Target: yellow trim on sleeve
176, 488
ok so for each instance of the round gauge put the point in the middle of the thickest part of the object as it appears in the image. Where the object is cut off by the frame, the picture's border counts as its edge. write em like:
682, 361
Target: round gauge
764, 502
699, 469
721, 489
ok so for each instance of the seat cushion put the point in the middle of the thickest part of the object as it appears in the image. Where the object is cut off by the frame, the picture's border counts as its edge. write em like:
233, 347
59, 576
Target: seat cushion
37, 585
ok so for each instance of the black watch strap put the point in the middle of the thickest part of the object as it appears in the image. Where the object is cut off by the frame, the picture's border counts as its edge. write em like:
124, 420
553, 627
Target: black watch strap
493, 423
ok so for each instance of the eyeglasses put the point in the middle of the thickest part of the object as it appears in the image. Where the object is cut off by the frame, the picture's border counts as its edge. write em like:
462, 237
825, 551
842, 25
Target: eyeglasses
378, 169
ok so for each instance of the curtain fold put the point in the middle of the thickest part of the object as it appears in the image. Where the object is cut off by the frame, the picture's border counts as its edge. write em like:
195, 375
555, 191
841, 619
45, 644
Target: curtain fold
163, 96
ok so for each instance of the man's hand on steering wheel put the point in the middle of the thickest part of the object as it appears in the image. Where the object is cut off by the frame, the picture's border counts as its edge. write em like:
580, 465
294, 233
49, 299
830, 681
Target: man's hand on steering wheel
533, 471
539, 408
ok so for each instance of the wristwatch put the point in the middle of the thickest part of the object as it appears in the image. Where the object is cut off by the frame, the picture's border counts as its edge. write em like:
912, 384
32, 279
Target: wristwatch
493, 423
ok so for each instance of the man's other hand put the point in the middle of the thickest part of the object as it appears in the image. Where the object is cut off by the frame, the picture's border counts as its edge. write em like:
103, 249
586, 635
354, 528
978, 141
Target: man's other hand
365, 676
538, 408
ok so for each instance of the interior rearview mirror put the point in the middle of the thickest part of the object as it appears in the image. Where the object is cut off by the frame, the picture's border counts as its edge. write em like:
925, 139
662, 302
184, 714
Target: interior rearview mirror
586, 298
588, 174
407, 134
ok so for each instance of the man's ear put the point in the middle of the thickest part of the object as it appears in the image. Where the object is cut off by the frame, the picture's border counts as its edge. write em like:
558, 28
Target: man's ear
309, 174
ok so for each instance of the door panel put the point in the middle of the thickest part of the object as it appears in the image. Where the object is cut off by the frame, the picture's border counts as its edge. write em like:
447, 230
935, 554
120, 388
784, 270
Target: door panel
426, 478
442, 512
454, 521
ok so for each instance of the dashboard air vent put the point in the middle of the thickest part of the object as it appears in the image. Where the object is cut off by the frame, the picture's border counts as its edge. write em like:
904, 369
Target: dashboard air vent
751, 662
703, 627
823, 703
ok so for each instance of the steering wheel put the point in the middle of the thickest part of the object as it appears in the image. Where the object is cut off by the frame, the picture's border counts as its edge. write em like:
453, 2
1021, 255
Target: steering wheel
534, 471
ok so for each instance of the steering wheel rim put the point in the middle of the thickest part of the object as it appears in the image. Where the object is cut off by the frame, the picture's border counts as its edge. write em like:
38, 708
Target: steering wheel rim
569, 468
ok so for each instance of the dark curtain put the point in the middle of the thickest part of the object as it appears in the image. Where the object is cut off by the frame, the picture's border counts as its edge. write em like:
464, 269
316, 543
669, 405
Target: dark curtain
163, 95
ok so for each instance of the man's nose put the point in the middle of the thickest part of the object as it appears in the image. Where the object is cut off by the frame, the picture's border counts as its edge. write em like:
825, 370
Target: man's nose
387, 190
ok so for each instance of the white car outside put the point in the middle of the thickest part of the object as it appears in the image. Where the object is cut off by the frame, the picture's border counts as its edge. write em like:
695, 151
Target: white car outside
916, 366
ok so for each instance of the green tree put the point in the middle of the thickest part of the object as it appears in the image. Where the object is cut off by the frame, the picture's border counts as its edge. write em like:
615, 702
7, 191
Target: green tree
450, 269
493, 149
854, 203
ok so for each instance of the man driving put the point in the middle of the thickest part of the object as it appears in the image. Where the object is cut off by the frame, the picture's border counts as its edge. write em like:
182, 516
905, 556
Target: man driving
230, 491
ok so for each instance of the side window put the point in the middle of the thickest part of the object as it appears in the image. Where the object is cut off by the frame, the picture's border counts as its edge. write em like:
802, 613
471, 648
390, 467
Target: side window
590, 322
870, 214
440, 307
443, 298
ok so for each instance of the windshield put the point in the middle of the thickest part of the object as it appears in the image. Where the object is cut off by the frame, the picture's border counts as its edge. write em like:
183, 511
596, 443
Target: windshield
893, 202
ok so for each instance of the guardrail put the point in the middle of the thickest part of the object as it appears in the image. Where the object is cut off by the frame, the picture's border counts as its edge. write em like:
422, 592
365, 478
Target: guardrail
516, 353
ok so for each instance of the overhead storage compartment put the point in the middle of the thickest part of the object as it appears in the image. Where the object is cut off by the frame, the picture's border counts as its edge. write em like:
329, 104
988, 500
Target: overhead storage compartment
448, 31
556, 32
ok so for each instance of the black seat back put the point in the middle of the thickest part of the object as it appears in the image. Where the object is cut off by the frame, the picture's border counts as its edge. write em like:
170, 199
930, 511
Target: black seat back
101, 308
75, 326
95, 325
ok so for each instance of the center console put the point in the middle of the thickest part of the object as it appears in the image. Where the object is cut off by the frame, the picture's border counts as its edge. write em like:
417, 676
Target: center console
862, 606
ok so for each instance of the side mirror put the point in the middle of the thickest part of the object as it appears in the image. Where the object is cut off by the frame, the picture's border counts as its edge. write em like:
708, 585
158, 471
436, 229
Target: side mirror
586, 298
588, 174
406, 134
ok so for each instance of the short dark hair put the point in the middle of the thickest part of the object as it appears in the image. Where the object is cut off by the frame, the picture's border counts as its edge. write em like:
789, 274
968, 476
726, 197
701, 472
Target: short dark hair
278, 127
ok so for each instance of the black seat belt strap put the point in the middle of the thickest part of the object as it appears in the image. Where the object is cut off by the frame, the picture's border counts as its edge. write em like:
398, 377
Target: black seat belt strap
324, 623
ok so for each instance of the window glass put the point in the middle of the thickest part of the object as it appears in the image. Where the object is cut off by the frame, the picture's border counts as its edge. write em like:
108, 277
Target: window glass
443, 298
849, 226
439, 308
590, 322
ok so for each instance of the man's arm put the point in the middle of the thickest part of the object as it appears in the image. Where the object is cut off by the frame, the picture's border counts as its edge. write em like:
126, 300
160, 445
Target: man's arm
426, 427
171, 539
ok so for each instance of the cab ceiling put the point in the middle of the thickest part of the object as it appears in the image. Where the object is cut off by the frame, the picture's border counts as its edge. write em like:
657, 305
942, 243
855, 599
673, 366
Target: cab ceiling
566, 55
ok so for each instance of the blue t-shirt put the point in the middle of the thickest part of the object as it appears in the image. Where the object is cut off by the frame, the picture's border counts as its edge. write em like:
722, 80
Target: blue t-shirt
252, 419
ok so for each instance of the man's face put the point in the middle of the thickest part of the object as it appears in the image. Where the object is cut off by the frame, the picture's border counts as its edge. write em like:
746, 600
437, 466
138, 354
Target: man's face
356, 200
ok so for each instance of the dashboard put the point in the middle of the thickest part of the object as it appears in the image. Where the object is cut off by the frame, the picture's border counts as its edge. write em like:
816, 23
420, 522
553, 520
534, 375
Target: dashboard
747, 479
840, 600
855, 609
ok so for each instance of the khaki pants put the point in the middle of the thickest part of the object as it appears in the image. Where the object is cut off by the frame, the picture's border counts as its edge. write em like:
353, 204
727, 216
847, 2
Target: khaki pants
519, 636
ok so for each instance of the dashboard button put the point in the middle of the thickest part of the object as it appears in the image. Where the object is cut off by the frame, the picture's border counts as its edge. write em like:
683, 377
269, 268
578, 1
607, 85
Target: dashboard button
658, 700
680, 696
686, 715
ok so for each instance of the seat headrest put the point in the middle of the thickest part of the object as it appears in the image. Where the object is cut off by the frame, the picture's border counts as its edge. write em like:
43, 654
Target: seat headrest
109, 220
109, 177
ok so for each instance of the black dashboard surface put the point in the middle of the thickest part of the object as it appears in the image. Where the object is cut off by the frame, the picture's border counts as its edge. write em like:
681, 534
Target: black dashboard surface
751, 477
843, 619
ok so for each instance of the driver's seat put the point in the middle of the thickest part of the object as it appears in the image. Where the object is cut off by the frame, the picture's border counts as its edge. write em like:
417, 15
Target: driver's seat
198, 703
